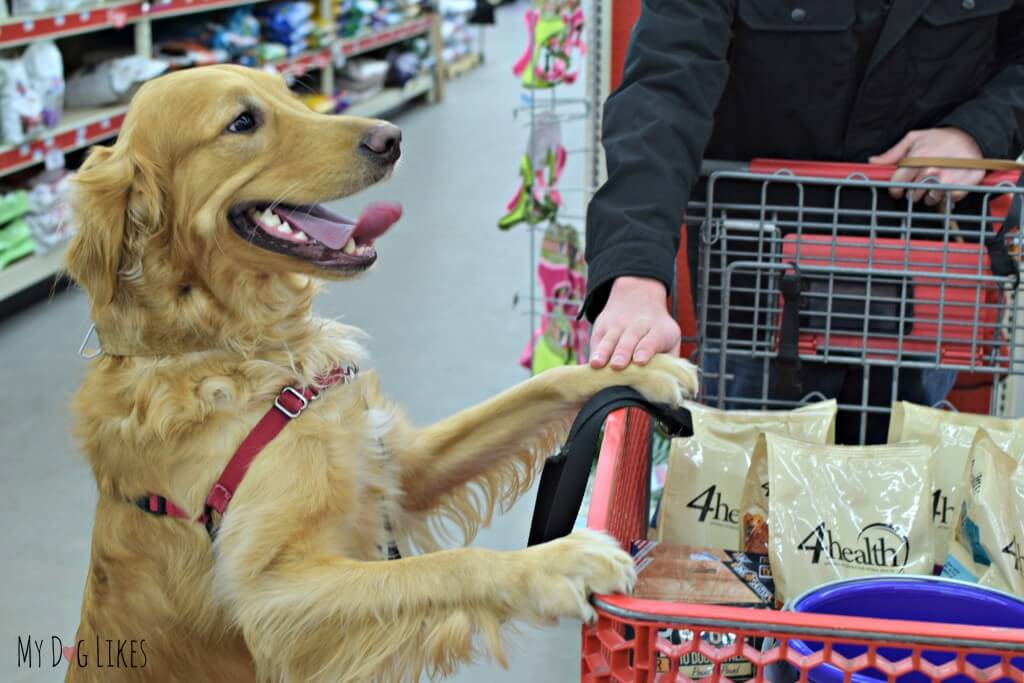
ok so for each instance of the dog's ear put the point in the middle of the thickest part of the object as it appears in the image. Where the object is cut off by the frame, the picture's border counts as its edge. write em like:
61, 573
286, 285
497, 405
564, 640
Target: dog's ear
117, 204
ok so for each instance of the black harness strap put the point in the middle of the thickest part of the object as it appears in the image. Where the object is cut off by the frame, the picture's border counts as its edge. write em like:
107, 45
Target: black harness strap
564, 479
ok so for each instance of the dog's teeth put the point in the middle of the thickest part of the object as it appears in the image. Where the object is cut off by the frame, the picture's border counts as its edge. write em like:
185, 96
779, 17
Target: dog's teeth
350, 246
299, 235
253, 213
283, 227
270, 218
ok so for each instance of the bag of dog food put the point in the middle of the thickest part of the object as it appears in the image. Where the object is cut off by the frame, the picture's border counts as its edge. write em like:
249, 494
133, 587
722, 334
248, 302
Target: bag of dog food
753, 536
706, 472
990, 535
961, 566
950, 435
839, 512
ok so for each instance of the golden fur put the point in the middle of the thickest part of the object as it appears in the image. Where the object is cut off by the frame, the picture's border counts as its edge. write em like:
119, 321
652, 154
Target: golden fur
200, 331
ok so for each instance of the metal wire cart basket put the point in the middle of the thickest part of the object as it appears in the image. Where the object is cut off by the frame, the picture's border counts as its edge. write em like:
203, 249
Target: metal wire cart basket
813, 279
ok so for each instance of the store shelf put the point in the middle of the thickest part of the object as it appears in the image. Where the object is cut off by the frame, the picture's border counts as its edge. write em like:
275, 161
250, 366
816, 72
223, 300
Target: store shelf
79, 128
365, 43
25, 29
85, 127
33, 269
391, 98
28, 271
302, 64
462, 65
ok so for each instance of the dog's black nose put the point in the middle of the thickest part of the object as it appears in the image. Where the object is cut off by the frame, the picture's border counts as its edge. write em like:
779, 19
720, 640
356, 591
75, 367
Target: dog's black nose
383, 142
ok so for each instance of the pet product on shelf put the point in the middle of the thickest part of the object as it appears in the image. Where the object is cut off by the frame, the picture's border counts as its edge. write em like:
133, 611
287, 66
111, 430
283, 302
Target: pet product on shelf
110, 81
15, 236
21, 107
45, 68
49, 209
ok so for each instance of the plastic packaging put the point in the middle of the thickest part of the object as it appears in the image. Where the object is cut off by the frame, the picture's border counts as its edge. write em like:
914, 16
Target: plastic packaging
21, 108
45, 68
706, 472
839, 512
110, 81
991, 525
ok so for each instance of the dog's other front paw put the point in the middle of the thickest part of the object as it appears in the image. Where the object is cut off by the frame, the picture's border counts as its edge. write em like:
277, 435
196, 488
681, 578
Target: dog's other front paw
561, 576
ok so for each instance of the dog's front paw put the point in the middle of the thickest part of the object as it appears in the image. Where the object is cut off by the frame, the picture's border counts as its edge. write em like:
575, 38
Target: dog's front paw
665, 379
562, 574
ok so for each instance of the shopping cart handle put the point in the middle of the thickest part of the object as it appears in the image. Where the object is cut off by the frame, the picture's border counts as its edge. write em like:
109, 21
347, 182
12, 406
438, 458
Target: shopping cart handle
564, 479
999, 171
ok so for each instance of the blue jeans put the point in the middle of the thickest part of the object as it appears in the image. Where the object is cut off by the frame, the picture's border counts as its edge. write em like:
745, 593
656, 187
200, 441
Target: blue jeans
832, 380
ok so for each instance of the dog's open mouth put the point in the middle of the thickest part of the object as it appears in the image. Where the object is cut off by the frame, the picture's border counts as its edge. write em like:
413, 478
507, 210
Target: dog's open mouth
313, 233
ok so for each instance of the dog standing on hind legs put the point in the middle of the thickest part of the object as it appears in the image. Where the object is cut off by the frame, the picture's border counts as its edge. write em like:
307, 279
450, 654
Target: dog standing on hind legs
200, 244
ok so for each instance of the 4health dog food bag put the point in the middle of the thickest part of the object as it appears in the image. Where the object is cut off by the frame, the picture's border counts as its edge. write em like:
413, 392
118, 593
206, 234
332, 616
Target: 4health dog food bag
989, 544
706, 472
838, 512
950, 435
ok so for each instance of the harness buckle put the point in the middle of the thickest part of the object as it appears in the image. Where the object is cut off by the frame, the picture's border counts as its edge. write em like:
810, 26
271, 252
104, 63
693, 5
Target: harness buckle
207, 520
303, 402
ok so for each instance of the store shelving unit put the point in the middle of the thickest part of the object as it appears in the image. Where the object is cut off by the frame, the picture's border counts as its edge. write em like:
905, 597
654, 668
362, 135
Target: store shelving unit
81, 128
462, 65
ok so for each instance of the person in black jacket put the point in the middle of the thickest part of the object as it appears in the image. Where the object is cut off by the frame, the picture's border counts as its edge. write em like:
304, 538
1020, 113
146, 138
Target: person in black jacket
826, 80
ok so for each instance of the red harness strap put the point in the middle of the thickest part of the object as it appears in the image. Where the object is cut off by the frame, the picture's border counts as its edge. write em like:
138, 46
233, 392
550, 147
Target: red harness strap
288, 405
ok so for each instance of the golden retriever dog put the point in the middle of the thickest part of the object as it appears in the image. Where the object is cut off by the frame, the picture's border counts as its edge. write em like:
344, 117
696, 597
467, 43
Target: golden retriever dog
200, 246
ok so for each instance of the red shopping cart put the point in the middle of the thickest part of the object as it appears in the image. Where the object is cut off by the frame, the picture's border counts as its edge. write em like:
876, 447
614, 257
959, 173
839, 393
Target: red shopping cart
645, 641
815, 263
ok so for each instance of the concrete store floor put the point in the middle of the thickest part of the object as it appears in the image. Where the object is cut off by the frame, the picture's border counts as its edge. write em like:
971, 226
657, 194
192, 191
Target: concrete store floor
444, 336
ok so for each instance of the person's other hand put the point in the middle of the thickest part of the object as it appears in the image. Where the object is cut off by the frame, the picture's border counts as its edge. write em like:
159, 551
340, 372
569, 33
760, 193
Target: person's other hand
634, 325
934, 142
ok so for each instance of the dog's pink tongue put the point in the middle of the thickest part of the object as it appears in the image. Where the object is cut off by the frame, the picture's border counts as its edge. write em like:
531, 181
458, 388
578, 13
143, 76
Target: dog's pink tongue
376, 219
333, 234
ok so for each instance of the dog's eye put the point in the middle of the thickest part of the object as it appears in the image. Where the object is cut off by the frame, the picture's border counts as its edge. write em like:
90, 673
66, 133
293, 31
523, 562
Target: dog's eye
245, 122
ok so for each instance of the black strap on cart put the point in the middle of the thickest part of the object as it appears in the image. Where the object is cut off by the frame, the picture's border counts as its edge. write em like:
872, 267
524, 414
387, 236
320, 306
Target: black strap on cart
786, 382
563, 482
1001, 261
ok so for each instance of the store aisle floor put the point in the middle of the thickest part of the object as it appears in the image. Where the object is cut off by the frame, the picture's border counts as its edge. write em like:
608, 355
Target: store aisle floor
444, 336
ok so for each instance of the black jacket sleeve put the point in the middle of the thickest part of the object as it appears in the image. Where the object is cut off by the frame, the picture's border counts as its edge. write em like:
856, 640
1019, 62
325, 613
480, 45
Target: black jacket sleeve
995, 116
655, 128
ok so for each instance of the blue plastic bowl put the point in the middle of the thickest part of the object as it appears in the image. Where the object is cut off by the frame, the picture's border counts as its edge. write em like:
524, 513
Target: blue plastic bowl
910, 598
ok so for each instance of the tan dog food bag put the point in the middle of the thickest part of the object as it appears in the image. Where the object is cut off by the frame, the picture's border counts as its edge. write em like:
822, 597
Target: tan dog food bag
840, 512
706, 472
950, 435
754, 502
989, 545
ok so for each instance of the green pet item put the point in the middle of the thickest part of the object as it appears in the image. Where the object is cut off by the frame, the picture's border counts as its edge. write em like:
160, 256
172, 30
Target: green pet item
13, 205
542, 28
554, 348
15, 243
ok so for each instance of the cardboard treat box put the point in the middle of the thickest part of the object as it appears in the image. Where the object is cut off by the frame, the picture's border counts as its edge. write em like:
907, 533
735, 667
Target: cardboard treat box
679, 573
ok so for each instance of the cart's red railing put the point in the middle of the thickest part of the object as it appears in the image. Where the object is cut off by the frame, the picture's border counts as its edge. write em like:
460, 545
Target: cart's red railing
632, 640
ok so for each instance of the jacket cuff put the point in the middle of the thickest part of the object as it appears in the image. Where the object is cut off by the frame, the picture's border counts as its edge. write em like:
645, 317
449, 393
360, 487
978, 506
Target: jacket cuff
975, 119
628, 259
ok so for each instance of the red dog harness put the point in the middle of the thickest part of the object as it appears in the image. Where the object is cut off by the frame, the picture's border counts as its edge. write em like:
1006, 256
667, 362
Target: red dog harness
288, 405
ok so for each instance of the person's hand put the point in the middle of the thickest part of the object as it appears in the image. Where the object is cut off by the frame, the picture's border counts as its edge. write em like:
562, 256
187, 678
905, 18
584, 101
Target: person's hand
634, 325
934, 142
